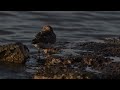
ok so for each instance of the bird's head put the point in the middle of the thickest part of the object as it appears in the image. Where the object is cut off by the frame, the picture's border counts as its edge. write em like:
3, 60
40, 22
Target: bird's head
47, 28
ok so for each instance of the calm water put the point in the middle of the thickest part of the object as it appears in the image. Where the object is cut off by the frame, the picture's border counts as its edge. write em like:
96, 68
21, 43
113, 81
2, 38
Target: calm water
71, 26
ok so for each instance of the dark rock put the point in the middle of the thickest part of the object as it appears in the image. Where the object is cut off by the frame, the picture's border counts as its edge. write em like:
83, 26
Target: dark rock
92, 62
14, 53
105, 49
63, 68
61, 71
95, 60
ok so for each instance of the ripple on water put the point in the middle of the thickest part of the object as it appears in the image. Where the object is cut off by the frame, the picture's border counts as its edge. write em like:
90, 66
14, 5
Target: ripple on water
4, 32
8, 13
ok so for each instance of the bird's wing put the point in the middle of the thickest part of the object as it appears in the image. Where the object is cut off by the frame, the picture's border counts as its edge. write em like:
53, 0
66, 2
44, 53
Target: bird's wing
43, 37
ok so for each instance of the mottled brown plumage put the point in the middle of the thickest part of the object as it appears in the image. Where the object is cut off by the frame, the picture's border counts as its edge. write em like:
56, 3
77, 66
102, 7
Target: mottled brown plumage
45, 39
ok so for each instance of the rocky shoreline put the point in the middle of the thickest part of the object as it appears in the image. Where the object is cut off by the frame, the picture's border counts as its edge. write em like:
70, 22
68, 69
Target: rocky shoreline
92, 62
85, 60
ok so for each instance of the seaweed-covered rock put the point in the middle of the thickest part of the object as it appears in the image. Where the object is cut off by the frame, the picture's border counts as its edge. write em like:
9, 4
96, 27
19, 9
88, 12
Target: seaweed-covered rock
63, 68
61, 71
86, 60
14, 53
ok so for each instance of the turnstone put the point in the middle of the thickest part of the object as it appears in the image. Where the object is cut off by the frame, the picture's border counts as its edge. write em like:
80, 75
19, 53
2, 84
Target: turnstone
44, 39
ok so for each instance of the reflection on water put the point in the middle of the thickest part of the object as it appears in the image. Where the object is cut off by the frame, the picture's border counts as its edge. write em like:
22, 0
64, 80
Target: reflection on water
12, 71
73, 26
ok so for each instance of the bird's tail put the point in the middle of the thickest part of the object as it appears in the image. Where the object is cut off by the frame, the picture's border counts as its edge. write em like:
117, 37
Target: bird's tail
34, 41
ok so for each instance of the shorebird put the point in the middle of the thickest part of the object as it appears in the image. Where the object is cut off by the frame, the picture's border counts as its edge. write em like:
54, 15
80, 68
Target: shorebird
45, 39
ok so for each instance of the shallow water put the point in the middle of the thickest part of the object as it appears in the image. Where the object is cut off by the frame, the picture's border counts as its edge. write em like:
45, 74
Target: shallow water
73, 26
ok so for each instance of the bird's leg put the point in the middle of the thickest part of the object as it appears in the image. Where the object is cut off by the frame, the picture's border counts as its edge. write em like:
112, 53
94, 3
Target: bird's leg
40, 60
43, 54
45, 51
38, 54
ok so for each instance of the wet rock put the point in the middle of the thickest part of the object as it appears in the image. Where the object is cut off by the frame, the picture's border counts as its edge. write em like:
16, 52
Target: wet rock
65, 60
96, 60
111, 71
115, 40
105, 49
111, 51
62, 72
63, 68
66, 76
14, 53
71, 64
51, 51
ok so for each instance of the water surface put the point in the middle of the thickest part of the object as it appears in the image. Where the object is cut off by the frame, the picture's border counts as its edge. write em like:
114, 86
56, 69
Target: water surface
72, 26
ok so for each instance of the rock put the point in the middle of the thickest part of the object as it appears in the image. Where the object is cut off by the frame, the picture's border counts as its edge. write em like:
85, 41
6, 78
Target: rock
115, 40
105, 49
92, 61
63, 68
14, 53
61, 72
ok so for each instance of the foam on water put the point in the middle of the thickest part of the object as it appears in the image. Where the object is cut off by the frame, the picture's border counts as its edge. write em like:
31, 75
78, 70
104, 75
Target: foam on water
115, 59
89, 69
